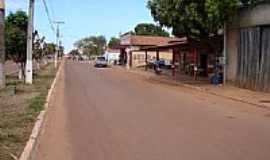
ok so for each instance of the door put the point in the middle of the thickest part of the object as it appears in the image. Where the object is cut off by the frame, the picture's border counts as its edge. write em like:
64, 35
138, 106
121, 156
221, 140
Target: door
204, 64
263, 80
253, 70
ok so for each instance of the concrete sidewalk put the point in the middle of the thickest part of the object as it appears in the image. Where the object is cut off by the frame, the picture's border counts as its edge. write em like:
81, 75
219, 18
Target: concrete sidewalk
229, 91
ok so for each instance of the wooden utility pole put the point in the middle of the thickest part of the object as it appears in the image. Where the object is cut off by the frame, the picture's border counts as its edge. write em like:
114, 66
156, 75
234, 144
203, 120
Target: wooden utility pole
2, 45
29, 61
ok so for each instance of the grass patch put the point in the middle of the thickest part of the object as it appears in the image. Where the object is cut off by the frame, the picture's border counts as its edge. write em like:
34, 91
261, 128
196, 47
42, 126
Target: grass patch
18, 113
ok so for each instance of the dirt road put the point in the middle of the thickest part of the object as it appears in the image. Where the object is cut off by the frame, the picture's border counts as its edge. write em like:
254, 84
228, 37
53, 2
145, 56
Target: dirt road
107, 114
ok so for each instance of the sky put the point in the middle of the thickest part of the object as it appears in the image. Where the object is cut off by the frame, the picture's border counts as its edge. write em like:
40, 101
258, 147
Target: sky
85, 17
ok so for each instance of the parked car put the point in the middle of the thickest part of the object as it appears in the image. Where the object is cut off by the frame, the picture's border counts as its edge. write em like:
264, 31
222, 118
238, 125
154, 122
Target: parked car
50, 56
101, 62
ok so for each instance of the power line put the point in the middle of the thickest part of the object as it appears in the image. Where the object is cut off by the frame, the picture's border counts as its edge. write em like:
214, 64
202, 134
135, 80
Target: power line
48, 15
50, 6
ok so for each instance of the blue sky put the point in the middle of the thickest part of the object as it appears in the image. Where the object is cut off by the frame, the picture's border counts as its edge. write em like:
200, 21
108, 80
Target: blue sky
86, 17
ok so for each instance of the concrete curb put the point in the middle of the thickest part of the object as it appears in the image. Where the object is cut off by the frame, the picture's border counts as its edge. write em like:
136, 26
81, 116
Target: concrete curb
213, 93
200, 89
32, 142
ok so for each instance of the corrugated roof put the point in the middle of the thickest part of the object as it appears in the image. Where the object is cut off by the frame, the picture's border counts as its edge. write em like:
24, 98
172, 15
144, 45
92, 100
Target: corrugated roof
113, 50
135, 40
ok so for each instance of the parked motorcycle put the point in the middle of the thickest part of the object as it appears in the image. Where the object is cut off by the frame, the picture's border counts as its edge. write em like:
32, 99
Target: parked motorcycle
157, 68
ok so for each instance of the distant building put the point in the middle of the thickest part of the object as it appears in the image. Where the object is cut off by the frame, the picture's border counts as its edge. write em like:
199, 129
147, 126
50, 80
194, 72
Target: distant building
112, 55
131, 45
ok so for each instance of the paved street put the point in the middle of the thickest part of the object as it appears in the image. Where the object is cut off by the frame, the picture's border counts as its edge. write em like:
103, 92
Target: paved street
109, 114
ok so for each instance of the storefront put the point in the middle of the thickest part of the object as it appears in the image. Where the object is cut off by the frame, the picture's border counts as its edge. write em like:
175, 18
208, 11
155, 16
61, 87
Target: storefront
188, 57
132, 54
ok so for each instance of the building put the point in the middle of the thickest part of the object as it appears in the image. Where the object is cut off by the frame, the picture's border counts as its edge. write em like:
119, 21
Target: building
247, 48
112, 55
131, 45
189, 56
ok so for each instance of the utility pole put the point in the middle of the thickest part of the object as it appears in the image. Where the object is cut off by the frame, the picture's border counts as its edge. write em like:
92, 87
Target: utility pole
60, 49
58, 23
225, 55
29, 61
2, 45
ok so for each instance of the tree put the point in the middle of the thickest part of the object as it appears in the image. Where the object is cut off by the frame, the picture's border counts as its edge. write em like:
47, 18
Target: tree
199, 19
16, 36
38, 48
93, 45
74, 52
50, 48
151, 30
114, 42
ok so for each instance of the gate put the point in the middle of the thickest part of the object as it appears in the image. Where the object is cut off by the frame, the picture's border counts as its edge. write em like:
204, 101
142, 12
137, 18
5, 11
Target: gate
253, 70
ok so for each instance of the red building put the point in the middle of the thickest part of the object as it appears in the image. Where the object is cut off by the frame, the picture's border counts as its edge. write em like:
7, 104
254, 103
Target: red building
189, 56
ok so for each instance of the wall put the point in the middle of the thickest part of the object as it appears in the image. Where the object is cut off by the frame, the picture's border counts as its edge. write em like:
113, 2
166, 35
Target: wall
139, 57
246, 17
232, 49
111, 57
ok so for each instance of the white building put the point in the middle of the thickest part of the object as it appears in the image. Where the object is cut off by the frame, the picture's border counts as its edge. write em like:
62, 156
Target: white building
112, 55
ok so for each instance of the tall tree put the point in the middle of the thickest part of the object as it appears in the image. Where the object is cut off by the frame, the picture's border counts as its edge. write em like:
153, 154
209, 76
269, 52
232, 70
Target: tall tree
199, 19
151, 30
16, 38
93, 45
2, 44
114, 42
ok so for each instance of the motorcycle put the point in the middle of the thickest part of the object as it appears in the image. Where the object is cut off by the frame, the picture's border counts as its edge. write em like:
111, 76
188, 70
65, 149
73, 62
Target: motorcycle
157, 68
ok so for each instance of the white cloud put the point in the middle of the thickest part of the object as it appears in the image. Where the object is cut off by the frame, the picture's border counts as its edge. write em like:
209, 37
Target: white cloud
13, 5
